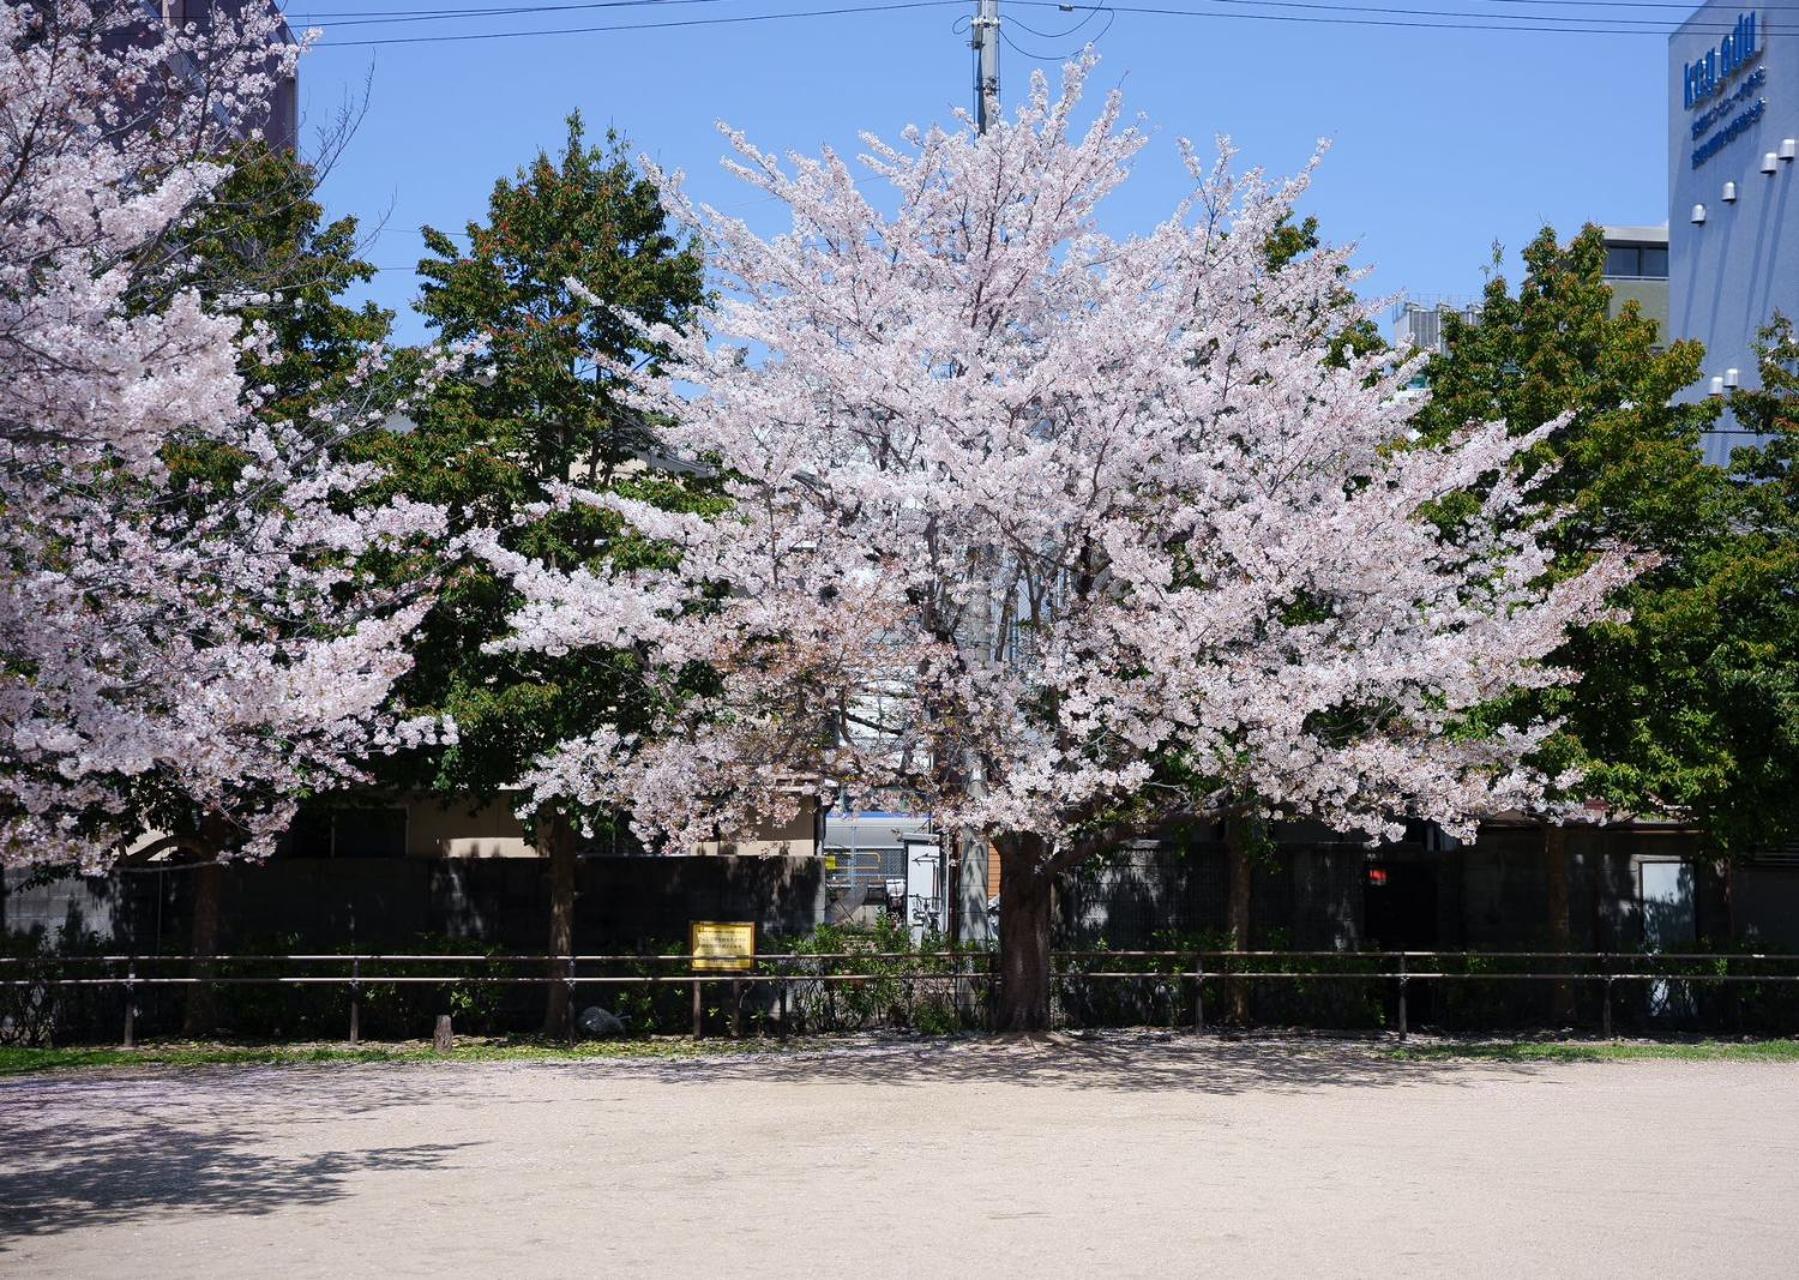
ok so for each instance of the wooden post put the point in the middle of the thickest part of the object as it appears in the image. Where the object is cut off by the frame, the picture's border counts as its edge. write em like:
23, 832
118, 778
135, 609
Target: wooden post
356, 1000
130, 1002
736, 1008
444, 1039
1608, 1007
1199, 991
699, 1009
1402, 1026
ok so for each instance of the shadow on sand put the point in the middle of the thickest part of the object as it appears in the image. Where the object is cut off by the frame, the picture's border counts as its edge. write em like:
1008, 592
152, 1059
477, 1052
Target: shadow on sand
1132, 1062
64, 1168
89, 1150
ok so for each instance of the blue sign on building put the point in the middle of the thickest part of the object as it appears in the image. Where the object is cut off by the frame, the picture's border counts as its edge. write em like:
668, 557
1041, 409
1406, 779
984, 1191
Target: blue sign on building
1706, 77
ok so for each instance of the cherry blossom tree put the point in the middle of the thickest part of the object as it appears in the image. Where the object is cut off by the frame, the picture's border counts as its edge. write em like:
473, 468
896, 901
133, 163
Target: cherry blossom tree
1058, 534
190, 634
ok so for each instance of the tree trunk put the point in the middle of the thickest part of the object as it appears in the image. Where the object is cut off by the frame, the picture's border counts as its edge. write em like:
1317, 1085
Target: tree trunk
1555, 859
1024, 935
1238, 836
200, 1017
559, 842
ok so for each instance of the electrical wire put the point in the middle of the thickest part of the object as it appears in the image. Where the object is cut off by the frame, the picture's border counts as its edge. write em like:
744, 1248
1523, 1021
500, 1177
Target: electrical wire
1058, 35
1659, 24
1519, 25
356, 16
1391, 16
644, 26
1057, 58
402, 17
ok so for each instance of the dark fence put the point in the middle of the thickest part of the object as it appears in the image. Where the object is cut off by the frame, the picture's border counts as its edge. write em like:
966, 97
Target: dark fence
398, 996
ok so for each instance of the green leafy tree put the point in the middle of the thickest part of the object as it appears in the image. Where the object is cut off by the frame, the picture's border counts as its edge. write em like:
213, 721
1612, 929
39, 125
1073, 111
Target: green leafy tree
1686, 708
541, 406
1751, 607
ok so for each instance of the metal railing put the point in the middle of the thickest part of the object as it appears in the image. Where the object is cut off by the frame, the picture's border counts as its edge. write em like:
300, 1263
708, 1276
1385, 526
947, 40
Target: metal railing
965, 978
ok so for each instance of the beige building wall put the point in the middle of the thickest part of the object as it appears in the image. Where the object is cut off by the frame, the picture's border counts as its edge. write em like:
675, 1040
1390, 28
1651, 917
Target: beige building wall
796, 838
459, 829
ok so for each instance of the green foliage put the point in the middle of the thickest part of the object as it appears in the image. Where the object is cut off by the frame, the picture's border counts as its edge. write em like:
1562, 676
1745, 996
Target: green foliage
897, 984
1689, 707
32, 1013
542, 405
262, 250
1291, 240
1164, 996
264, 239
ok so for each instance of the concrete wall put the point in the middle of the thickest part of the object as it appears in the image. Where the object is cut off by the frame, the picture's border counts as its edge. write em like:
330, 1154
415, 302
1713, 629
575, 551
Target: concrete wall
1728, 276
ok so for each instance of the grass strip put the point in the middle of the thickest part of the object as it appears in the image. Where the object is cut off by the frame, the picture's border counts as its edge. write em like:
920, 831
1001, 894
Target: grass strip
23, 1061
1602, 1051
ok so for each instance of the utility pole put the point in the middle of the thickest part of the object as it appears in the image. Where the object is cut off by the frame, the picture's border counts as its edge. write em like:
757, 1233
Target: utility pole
984, 39
965, 852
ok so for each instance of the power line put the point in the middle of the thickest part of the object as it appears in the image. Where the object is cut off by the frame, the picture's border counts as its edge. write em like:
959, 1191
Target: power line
1388, 16
645, 26
1519, 26
1683, 5
400, 17
1659, 25
359, 16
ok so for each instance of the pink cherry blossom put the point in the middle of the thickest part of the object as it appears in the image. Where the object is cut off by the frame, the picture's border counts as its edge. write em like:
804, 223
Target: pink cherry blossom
163, 660
1050, 532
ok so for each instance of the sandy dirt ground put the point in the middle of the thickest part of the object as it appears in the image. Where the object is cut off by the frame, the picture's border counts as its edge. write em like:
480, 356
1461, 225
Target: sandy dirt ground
1120, 1156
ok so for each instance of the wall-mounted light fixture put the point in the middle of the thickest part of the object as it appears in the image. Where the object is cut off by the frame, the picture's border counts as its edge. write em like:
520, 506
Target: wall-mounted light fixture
1730, 193
1732, 378
1717, 386
1698, 214
1770, 162
1789, 147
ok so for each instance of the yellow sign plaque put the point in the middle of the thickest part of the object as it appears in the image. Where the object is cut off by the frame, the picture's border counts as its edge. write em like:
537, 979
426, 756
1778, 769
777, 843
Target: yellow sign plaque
722, 946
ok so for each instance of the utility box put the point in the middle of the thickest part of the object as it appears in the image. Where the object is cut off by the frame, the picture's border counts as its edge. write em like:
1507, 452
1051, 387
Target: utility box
927, 906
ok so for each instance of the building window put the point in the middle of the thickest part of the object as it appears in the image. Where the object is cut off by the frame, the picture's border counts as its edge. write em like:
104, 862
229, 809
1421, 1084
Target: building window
1636, 261
320, 831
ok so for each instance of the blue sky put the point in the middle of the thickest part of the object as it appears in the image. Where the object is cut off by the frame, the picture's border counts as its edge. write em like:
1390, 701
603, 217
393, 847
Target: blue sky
1444, 140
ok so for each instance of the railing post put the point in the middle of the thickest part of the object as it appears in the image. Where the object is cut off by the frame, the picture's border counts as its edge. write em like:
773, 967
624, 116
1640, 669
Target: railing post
1402, 981
1199, 991
572, 1012
1607, 1015
699, 1009
130, 1002
736, 1008
356, 1000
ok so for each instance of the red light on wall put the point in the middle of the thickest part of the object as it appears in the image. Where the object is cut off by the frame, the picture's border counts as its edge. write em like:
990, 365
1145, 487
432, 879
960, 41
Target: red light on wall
1377, 875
